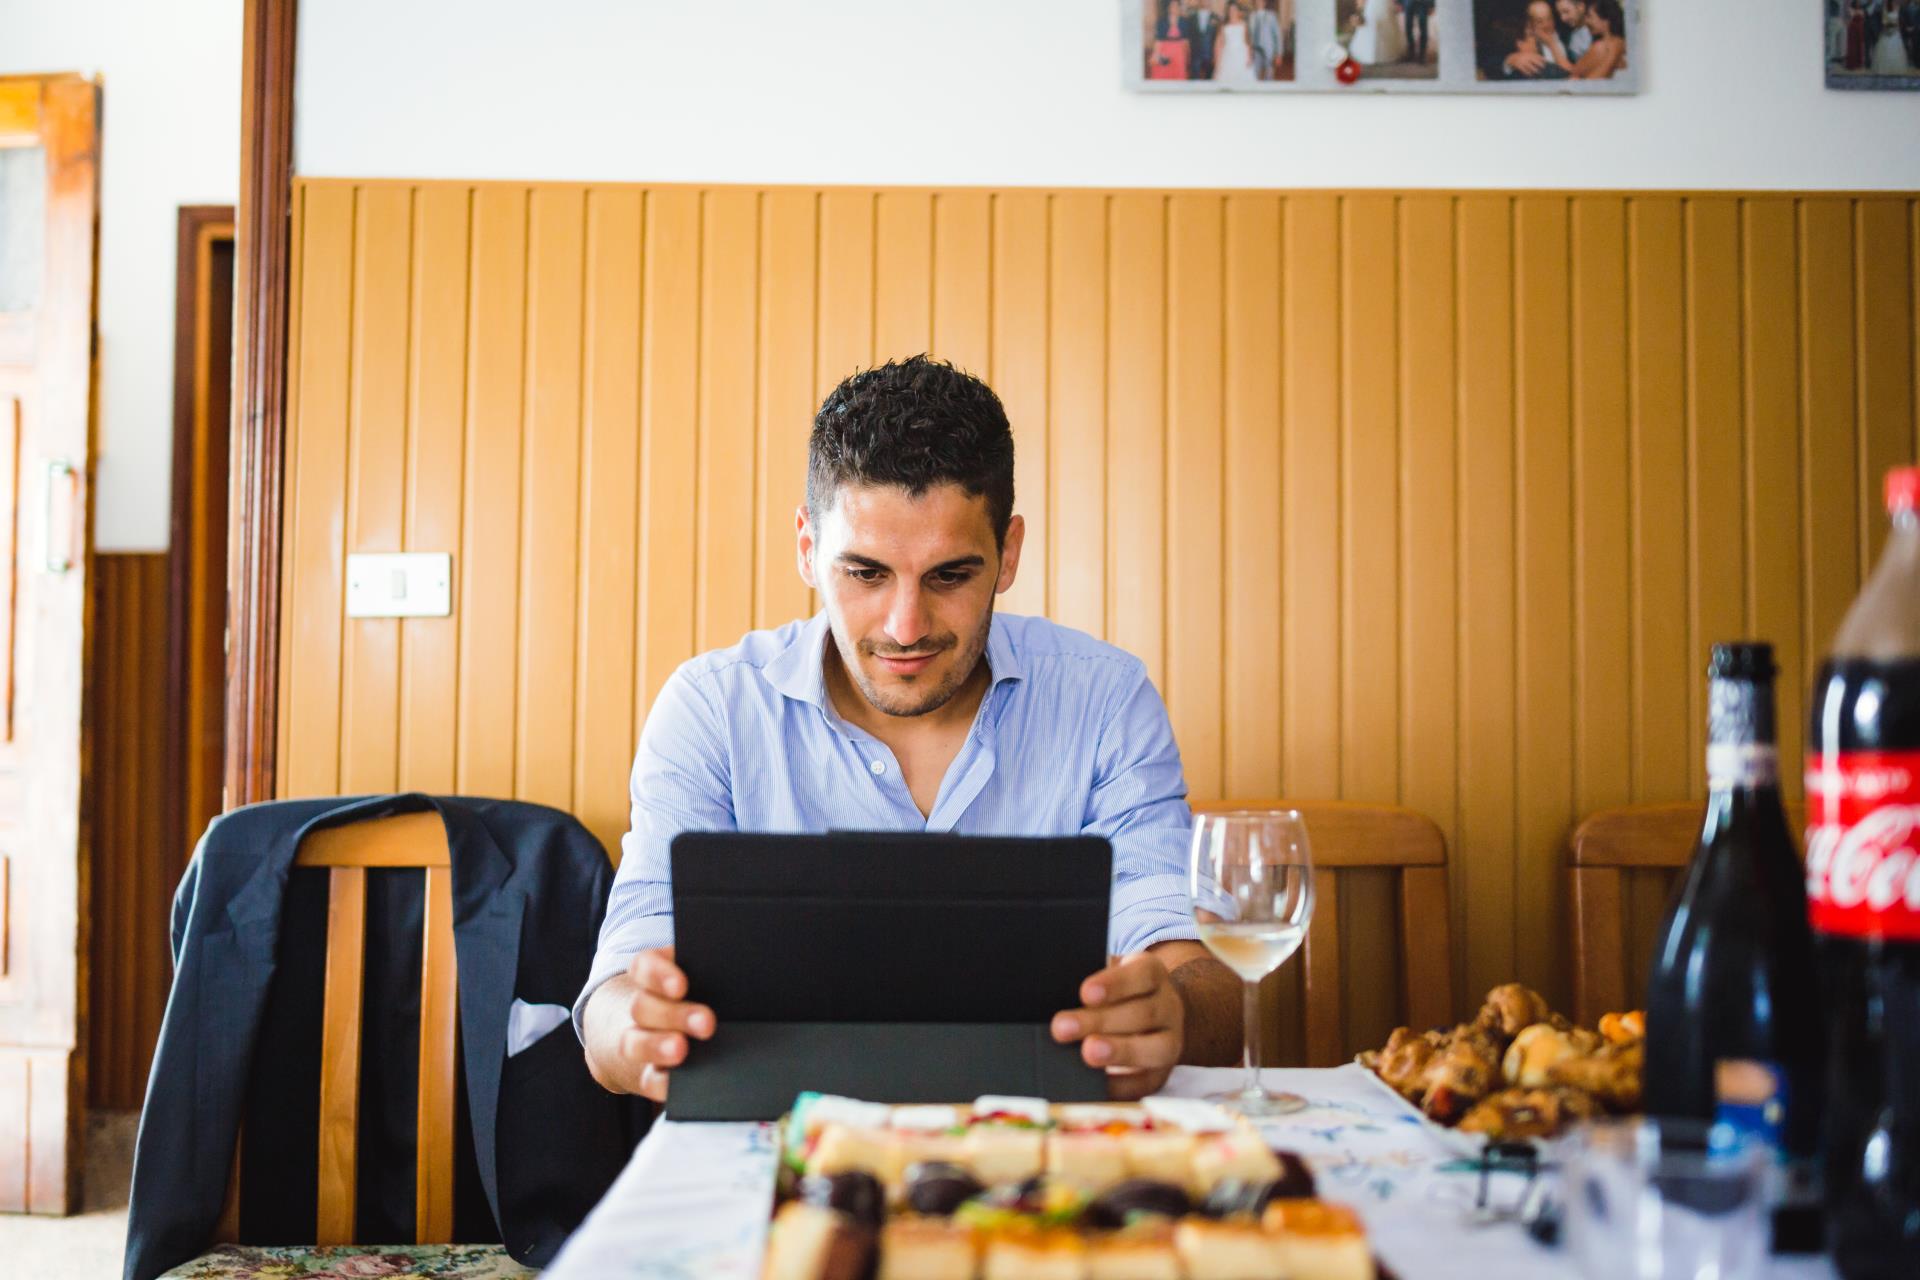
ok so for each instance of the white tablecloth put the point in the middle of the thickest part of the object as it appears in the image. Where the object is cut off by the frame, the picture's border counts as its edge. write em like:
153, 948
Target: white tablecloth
693, 1202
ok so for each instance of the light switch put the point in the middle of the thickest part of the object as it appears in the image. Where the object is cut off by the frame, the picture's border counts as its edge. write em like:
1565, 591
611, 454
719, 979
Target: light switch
416, 584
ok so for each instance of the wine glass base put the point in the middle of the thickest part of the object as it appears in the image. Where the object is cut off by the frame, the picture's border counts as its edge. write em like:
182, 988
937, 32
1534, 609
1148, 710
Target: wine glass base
1257, 1103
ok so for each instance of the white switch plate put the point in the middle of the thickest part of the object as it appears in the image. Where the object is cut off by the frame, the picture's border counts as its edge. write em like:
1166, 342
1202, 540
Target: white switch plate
416, 584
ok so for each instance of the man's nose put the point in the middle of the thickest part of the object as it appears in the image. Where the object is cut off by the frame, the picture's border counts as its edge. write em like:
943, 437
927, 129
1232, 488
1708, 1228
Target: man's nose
907, 616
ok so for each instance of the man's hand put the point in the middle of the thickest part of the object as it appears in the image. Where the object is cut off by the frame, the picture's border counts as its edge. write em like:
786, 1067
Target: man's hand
1133, 1024
637, 1025
1526, 62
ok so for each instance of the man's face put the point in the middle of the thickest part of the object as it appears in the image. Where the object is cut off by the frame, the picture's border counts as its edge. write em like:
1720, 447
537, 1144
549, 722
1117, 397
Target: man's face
1540, 19
908, 583
1573, 13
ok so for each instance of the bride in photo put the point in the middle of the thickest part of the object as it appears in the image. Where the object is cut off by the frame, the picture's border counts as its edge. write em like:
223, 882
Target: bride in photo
1232, 50
1889, 56
1377, 37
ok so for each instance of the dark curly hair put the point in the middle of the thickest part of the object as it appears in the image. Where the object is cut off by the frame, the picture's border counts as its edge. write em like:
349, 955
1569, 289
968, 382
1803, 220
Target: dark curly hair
913, 424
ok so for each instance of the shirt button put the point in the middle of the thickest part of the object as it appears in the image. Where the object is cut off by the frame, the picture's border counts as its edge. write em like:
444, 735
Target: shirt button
879, 767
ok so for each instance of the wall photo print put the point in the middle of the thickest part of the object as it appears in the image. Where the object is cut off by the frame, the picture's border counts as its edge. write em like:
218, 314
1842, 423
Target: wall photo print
1395, 39
1225, 44
1872, 44
1552, 43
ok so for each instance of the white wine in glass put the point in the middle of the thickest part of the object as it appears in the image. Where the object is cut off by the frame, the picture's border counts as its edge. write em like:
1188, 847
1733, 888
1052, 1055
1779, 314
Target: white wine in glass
1251, 884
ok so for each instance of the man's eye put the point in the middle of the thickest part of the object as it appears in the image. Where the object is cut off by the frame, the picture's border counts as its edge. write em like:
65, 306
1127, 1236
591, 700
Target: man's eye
952, 577
868, 576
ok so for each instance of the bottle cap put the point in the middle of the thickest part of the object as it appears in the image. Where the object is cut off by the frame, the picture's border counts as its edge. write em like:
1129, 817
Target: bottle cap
1741, 661
1903, 489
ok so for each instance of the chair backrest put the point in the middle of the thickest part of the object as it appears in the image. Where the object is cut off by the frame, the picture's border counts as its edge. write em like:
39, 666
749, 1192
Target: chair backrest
403, 841
1620, 856
1349, 836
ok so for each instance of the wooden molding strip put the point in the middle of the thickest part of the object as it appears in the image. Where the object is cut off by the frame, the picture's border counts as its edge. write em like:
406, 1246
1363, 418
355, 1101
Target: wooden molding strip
261, 262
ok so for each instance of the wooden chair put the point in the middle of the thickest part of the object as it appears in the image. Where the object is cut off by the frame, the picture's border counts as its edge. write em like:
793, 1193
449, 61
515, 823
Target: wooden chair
1351, 836
405, 840
1618, 855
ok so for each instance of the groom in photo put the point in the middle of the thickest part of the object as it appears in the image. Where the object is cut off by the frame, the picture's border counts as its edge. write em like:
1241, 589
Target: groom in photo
1910, 31
1416, 12
1574, 35
1202, 24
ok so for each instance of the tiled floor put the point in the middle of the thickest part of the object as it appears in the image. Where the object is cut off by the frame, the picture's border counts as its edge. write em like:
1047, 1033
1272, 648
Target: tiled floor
88, 1245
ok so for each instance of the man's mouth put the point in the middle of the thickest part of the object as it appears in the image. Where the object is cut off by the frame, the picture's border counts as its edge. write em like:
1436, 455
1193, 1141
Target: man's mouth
907, 664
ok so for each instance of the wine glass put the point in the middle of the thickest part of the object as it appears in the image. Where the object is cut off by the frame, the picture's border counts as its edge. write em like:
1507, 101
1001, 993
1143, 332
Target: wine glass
1251, 885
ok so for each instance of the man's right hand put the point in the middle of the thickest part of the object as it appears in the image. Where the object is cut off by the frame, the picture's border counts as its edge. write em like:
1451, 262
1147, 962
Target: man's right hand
637, 1025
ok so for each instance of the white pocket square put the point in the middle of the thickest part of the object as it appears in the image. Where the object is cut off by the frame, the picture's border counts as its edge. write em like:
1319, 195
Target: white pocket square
526, 1023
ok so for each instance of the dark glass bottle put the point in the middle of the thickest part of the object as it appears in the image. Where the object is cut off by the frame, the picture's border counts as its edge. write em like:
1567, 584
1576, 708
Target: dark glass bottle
1733, 1029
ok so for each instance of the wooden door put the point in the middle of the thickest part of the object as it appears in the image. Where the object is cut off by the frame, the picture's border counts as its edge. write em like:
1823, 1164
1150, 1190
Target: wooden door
49, 147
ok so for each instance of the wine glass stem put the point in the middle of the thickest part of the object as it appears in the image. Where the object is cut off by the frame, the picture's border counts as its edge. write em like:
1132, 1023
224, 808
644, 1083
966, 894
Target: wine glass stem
1250, 1025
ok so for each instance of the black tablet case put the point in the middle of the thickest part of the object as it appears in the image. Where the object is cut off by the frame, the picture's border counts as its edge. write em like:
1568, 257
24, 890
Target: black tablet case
895, 967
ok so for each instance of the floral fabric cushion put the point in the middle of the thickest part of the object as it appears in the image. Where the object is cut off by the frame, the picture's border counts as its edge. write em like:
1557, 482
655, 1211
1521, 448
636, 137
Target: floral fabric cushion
351, 1262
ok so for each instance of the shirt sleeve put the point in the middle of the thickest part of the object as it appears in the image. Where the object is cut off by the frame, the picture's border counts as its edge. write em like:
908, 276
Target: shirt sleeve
1139, 803
681, 781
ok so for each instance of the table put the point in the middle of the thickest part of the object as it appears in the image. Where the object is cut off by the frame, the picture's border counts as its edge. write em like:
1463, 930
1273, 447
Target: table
693, 1202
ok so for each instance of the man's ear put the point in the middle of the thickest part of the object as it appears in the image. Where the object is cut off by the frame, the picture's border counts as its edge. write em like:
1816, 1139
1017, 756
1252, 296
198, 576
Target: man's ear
804, 544
1010, 553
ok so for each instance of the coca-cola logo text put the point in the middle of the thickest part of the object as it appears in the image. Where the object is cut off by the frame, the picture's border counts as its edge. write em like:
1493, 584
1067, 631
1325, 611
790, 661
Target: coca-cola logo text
1863, 844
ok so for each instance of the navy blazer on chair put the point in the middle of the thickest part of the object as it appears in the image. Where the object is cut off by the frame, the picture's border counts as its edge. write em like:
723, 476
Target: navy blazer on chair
529, 888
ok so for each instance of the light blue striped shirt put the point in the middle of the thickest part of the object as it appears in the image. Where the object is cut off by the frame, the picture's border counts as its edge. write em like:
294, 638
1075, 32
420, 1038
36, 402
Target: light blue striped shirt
1072, 738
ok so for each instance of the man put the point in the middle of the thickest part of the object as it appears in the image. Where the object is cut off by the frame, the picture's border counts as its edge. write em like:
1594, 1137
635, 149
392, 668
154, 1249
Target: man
1202, 26
1910, 32
1416, 14
906, 704
1575, 35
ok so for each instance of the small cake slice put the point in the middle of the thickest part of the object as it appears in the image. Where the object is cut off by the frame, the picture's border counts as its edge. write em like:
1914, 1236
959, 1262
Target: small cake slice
808, 1242
1228, 1251
1034, 1255
1237, 1154
1320, 1241
925, 1249
842, 1149
1091, 1161
1165, 1155
1144, 1252
930, 1148
1000, 1154
1113, 1117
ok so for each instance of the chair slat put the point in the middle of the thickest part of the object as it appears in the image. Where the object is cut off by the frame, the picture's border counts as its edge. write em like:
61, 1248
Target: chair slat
1346, 834
1599, 953
433, 1166
340, 1054
401, 840
1325, 1034
1425, 931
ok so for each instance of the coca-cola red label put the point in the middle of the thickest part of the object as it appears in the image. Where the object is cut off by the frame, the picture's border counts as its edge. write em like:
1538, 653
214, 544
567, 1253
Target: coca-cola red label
1863, 844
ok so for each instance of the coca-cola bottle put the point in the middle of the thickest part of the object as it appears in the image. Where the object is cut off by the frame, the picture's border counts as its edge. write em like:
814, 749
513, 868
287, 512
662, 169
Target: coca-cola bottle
1863, 893
1732, 1023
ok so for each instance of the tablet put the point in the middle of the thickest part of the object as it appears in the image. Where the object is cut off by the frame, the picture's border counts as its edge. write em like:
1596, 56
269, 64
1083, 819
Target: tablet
891, 966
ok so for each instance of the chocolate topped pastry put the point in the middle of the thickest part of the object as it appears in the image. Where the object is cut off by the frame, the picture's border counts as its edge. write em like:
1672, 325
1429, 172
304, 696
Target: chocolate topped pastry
1123, 1201
858, 1195
810, 1242
936, 1188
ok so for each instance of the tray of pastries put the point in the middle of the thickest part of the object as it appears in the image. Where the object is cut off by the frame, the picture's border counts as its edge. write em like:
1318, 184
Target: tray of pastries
1517, 1072
1019, 1189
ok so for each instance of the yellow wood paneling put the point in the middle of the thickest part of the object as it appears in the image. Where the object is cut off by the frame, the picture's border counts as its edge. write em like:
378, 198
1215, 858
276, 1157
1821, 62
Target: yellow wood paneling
1428, 498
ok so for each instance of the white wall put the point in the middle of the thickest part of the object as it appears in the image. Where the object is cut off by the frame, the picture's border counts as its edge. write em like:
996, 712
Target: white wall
170, 135
1029, 92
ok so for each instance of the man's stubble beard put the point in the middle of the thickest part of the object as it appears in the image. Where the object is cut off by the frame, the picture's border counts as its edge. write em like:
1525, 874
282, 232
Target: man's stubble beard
962, 671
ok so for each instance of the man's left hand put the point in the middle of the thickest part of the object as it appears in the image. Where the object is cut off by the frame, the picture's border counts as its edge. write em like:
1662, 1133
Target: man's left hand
1133, 1024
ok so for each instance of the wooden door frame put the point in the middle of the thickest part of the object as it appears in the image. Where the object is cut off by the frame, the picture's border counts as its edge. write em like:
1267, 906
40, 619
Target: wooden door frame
200, 228
257, 457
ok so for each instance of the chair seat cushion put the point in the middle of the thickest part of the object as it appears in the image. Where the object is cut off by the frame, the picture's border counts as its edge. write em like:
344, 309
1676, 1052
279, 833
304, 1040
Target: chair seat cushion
351, 1262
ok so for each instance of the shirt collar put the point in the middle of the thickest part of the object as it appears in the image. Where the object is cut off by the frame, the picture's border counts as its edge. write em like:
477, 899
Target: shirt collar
797, 670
